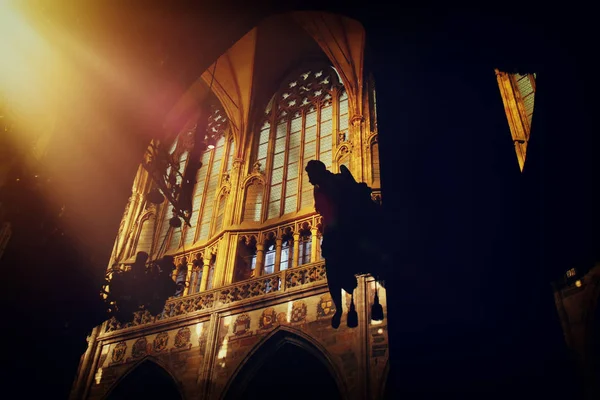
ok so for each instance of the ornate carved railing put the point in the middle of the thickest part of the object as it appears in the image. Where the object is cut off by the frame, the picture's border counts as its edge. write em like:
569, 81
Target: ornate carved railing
224, 296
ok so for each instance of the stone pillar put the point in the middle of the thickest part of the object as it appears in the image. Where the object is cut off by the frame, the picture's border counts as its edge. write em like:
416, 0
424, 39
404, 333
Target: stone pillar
356, 158
296, 255
205, 270
236, 194
314, 244
260, 259
278, 243
87, 367
188, 281
222, 251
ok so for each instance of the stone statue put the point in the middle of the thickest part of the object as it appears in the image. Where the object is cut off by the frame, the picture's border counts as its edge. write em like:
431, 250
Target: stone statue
349, 217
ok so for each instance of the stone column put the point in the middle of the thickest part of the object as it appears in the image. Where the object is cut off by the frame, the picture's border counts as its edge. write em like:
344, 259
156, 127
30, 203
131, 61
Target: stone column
314, 244
236, 194
188, 281
356, 158
260, 259
205, 270
278, 243
296, 255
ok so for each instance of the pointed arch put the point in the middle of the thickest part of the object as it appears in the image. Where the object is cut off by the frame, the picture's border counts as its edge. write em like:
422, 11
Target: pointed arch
253, 201
342, 39
301, 124
221, 201
267, 347
158, 370
145, 233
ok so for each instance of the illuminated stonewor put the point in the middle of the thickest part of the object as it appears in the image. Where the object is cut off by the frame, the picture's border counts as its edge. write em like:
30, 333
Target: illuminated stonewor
255, 298
518, 95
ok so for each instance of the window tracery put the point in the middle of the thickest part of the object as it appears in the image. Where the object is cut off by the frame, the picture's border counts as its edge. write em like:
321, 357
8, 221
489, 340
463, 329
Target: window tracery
207, 179
299, 126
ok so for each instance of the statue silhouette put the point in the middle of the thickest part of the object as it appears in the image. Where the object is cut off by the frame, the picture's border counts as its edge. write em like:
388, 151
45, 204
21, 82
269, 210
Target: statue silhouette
349, 215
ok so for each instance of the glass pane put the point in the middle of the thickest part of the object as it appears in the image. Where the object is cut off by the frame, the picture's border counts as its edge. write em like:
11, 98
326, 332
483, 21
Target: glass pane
326, 113
294, 155
325, 143
281, 130
292, 171
290, 204
326, 127
264, 135
262, 151
276, 177
311, 134
311, 118
279, 145
309, 151
294, 140
375, 160
275, 192
296, 125
278, 160
291, 187
326, 158
274, 208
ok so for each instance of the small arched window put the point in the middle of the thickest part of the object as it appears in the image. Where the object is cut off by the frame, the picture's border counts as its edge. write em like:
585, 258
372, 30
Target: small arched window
145, 238
254, 201
211, 273
220, 213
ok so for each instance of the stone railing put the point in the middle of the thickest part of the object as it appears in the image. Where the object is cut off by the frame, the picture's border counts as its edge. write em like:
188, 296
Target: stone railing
224, 296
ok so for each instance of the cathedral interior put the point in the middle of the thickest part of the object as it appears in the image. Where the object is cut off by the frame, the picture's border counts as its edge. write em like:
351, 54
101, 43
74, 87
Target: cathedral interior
182, 132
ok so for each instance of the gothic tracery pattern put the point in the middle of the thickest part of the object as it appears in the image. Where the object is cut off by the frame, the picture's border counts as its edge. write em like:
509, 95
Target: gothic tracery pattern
299, 126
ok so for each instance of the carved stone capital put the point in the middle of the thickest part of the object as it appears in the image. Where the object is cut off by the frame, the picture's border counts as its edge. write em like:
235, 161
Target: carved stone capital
237, 163
357, 119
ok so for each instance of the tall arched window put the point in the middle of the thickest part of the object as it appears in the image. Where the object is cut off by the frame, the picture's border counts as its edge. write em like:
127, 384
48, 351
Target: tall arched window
211, 189
180, 153
299, 126
207, 178
375, 160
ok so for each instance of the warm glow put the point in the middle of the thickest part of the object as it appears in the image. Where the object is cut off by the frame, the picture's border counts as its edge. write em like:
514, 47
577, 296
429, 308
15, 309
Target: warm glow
30, 81
98, 376
199, 329
373, 322
578, 283
380, 331
223, 351
289, 311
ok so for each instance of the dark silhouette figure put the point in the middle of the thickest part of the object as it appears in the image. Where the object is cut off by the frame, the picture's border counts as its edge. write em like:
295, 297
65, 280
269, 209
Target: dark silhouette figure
349, 215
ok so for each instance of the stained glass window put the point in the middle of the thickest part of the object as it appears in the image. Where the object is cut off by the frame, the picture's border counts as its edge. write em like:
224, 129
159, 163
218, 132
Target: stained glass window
211, 189
207, 179
299, 126
375, 161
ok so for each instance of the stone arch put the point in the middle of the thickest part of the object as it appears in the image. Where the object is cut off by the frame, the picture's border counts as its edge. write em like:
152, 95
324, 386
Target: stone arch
160, 376
256, 358
148, 217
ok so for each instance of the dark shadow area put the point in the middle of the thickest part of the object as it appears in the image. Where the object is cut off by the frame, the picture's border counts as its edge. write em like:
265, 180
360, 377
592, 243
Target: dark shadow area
147, 381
